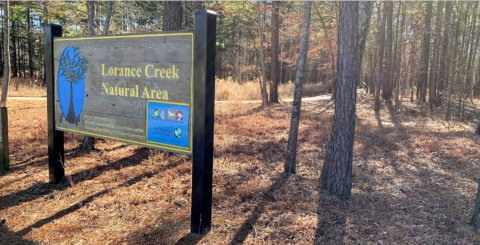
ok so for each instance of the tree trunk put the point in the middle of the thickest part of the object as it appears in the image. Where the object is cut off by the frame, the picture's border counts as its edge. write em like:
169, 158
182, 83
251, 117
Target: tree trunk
263, 82
108, 17
445, 55
380, 59
91, 18
274, 74
88, 143
14, 47
387, 82
29, 44
475, 222
336, 175
172, 15
425, 53
291, 154
434, 66
6, 55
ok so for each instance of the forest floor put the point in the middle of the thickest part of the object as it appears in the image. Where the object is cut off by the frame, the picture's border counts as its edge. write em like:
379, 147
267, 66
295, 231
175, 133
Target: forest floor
415, 180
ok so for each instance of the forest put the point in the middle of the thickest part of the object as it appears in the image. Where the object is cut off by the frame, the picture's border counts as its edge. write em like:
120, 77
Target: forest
335, 123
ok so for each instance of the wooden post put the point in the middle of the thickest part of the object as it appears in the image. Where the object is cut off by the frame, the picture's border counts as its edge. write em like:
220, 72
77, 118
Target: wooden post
56, 150
203, 120
4, 157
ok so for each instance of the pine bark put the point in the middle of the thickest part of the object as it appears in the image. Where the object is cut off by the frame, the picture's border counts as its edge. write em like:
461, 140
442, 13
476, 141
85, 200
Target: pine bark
387, 82
425, 53
380, 75
88, 142
31, 67
291, 154
6, 55
108, 17
274, 72
91, 18
172, 15
445, 54
263, 82
434, 66
336, 176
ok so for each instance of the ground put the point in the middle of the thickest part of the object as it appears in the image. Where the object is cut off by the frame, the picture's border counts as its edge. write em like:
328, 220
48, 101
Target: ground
415, 180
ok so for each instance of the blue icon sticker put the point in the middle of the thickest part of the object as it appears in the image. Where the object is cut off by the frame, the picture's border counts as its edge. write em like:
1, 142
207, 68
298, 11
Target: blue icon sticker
168, 123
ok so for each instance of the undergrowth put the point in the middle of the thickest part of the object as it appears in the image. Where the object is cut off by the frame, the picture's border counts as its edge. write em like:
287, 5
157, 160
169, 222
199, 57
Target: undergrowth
415, 180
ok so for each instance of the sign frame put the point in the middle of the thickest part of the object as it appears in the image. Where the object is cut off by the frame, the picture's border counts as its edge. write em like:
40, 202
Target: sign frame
202, 117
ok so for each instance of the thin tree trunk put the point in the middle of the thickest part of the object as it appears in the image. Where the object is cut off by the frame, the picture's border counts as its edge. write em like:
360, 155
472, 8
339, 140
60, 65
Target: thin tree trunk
380, 60
445, 54
263, 82
291, 154
91, 18
88, 143
15, 48
6, 55
29, 44
108, 17
434, 65
425, 53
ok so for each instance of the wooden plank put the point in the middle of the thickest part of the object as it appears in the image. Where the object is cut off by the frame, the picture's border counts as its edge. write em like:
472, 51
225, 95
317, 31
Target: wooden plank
4, 151
120, 74
202, 172
56, 147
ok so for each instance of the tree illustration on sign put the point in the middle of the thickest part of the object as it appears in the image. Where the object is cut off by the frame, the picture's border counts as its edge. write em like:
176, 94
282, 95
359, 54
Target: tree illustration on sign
71, 84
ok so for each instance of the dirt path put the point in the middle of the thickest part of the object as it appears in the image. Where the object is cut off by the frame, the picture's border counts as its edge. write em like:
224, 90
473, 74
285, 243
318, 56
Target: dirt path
27, 98
321, 97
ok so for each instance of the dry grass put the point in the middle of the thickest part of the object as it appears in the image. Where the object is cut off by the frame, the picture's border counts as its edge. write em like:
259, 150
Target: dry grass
414, 183
231, 91
26, 87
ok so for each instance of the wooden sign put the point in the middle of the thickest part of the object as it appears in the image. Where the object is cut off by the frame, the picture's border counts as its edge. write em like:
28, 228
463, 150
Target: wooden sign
154, 90
133, 88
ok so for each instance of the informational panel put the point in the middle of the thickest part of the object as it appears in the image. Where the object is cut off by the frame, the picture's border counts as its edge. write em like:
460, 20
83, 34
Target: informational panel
136, 89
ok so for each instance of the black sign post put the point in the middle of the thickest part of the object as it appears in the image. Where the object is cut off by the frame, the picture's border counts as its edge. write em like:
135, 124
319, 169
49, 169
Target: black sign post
202, 103
56, 150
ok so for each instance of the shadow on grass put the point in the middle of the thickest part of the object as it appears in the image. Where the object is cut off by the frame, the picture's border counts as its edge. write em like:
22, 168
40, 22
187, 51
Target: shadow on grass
41, 189
79, 205
249, 225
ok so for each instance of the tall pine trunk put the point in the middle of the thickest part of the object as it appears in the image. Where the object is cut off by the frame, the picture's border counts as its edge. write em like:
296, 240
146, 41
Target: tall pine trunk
88, 142
425, 53
434, 66
380, 60
274, 74
387, 82
6, 55
291, 154
336, 176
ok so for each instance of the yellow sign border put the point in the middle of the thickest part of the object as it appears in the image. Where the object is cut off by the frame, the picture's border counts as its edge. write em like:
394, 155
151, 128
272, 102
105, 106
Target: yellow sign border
145, 143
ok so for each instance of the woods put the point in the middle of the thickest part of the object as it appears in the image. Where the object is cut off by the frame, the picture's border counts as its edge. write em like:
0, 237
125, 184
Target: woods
415, 63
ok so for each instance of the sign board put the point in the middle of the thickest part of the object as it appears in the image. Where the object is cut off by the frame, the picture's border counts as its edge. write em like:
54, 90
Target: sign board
154, 90
132, 88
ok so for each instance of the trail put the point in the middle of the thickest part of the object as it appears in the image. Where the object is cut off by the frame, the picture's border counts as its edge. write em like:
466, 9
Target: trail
321, 97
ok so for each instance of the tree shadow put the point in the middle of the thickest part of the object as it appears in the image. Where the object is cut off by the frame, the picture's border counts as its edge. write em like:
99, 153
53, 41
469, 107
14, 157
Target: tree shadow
79, 205
249, 225
41, 189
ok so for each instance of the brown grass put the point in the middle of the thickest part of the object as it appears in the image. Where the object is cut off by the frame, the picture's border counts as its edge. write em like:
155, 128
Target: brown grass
250, 91
26, 87
414, 183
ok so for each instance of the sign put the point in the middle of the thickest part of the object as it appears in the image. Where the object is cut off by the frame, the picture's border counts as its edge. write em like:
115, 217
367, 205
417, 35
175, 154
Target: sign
133, 88
154, 90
